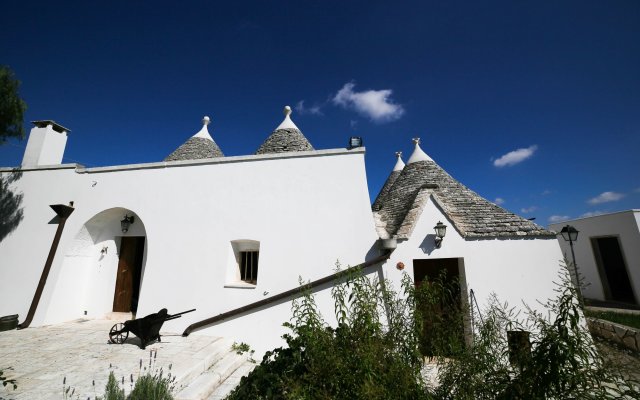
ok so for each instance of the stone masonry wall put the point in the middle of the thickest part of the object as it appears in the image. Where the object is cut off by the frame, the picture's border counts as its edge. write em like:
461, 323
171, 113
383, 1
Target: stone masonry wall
624, 335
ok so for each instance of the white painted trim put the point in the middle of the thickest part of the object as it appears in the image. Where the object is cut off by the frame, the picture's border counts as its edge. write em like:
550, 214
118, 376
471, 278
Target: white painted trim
633, 210
240, 285
42, 167
223, 160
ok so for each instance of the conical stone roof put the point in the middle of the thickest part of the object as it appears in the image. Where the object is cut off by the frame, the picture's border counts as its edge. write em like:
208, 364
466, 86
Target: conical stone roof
472, 215
397, 169
199, 146
285, 138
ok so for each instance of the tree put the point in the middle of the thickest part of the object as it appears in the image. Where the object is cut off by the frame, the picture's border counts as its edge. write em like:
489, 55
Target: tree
12, 107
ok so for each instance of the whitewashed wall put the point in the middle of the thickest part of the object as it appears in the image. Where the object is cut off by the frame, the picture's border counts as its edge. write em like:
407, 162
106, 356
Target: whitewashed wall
306, 209
517, 270
624, 225
87, 277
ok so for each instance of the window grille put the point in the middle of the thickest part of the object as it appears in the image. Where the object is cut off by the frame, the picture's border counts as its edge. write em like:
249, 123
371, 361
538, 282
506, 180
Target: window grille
249, 266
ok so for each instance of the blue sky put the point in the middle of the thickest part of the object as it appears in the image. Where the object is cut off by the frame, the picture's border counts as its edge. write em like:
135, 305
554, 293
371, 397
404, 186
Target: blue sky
535, 105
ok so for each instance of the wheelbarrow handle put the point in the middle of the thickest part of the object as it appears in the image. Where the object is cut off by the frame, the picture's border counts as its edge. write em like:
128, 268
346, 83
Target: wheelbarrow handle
180, 313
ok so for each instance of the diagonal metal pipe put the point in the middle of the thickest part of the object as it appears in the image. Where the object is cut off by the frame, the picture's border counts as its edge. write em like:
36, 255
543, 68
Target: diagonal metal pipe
281, 296
63, 212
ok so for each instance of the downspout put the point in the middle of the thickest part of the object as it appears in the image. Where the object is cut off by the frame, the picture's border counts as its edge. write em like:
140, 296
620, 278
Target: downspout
241, 310
63, 213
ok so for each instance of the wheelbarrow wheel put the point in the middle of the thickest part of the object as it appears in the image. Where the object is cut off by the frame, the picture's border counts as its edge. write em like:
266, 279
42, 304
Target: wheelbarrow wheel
117, 334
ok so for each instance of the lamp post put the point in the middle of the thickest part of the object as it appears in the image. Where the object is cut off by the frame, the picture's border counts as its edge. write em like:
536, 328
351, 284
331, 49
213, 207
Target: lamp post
570, 234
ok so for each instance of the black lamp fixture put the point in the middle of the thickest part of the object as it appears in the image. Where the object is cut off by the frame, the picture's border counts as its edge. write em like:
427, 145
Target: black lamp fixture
570, 234
441, 230
354, 142
126, 222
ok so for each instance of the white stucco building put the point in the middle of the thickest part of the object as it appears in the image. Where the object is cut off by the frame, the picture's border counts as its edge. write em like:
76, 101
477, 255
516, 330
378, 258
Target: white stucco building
218, 233
607, 253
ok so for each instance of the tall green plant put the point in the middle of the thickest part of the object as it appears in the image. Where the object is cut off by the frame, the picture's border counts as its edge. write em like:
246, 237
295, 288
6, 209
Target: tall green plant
440, 314
564, 362
374, 351
112, 390
365, 357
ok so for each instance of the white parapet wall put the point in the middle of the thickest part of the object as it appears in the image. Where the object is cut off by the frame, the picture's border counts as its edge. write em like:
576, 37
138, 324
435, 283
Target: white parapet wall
306, 210
622, 226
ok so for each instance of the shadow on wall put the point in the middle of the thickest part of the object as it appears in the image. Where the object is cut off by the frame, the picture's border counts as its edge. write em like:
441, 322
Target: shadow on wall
428, 244
10, 209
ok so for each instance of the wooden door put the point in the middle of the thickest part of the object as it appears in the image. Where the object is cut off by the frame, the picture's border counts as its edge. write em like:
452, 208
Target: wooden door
125, 298
438, 299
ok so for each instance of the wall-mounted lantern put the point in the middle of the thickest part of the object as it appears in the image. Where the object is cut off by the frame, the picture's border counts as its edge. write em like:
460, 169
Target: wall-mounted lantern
125, 223
441, 230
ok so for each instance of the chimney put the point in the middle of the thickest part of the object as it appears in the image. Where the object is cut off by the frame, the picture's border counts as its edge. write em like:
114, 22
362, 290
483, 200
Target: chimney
46, 144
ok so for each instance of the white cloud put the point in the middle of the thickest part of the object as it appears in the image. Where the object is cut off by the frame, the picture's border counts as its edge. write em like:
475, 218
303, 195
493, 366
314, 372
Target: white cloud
515, 157
499, 201
374, 104
558, 218
301, 109
592, 214
528, 210
546, 192
605, 197
637, 190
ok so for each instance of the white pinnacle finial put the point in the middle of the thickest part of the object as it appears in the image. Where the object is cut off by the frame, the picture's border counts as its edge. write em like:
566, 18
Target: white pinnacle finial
399, 164
204, 132
418, 154
287, 123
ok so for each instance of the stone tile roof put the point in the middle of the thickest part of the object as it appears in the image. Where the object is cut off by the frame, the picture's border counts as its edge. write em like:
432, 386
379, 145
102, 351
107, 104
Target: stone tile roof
471, 215
284, 140
377, 204
194, 149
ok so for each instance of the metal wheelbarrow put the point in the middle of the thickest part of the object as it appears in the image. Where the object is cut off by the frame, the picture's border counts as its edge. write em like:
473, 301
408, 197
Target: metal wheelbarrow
147, 328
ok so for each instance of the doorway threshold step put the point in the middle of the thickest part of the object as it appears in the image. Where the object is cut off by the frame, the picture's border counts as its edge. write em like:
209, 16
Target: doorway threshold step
119, 316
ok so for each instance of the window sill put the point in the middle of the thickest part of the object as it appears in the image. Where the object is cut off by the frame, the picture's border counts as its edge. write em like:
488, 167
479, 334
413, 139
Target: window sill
240, 285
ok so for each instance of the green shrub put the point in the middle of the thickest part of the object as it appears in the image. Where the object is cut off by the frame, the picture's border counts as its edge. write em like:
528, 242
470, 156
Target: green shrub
374, 352
439, 314
563, 363
362, 358
151, 387
151, 384
113, 391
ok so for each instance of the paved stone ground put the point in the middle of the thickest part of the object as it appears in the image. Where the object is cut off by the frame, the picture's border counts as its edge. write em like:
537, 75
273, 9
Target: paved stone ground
623, 359
80, 351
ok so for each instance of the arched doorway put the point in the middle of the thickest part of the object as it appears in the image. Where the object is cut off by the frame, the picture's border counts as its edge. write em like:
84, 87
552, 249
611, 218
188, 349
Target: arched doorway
102, 270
